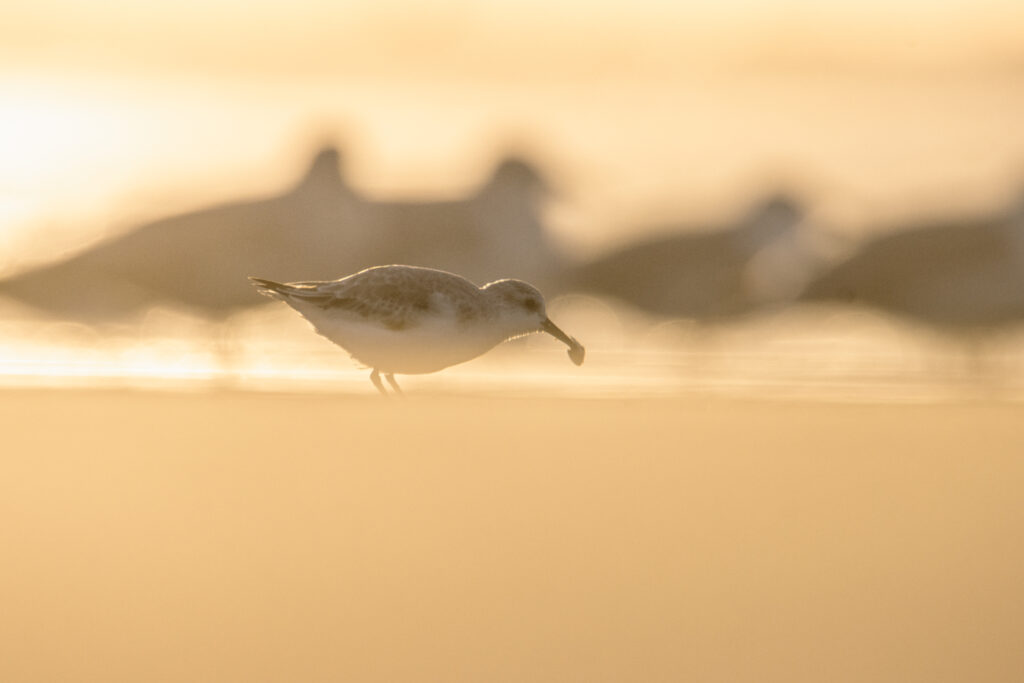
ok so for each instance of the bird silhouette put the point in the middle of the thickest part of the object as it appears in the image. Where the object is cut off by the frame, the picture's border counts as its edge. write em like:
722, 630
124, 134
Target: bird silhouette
200, 260
705, 275
497, 230
962, 276
316, 229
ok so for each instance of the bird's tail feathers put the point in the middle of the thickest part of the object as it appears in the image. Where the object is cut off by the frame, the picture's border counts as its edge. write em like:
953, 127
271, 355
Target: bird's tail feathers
290, 291
275, 290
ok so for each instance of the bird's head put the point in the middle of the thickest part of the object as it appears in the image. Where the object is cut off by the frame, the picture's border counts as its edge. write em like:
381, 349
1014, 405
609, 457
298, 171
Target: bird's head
522, 306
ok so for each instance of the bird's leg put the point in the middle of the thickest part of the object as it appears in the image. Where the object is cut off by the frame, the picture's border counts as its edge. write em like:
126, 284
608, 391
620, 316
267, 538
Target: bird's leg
394, 383
375, 378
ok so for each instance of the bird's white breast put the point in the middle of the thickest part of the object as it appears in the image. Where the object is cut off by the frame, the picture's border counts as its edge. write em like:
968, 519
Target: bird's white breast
427, 344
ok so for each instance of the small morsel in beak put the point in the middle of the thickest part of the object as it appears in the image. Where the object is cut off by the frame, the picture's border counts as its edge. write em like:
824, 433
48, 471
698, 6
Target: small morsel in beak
576, 350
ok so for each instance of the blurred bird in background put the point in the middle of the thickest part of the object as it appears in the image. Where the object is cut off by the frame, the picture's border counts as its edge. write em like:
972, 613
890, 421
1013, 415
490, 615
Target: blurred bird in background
709, 274
963, 277
319, 228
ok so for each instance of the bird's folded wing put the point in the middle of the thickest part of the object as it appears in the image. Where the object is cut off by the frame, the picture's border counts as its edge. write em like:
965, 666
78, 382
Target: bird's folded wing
385, 302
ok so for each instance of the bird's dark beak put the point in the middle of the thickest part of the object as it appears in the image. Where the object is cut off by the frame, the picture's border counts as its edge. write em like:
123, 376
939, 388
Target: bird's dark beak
576, 350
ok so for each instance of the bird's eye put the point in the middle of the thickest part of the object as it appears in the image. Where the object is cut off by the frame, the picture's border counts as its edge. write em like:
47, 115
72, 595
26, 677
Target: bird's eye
531, 304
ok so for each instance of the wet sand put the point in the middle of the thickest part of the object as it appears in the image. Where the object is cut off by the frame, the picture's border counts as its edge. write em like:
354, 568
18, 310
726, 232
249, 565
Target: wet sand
264, 537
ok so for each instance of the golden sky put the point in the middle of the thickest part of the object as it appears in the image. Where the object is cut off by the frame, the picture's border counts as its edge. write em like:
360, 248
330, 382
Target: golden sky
883, 104
509, 39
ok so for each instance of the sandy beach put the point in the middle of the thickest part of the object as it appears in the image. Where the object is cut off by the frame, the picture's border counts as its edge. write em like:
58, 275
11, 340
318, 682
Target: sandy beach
281, 537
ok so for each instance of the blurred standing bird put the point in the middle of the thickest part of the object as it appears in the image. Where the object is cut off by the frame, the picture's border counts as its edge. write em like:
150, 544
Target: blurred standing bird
706, 275
964, 277
497, 228
199, 260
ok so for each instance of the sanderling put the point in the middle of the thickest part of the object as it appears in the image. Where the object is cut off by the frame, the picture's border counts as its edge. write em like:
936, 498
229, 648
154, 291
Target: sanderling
411, 320
960, 276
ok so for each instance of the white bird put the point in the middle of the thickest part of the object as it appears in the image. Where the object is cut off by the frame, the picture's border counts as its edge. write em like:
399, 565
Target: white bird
411, 320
